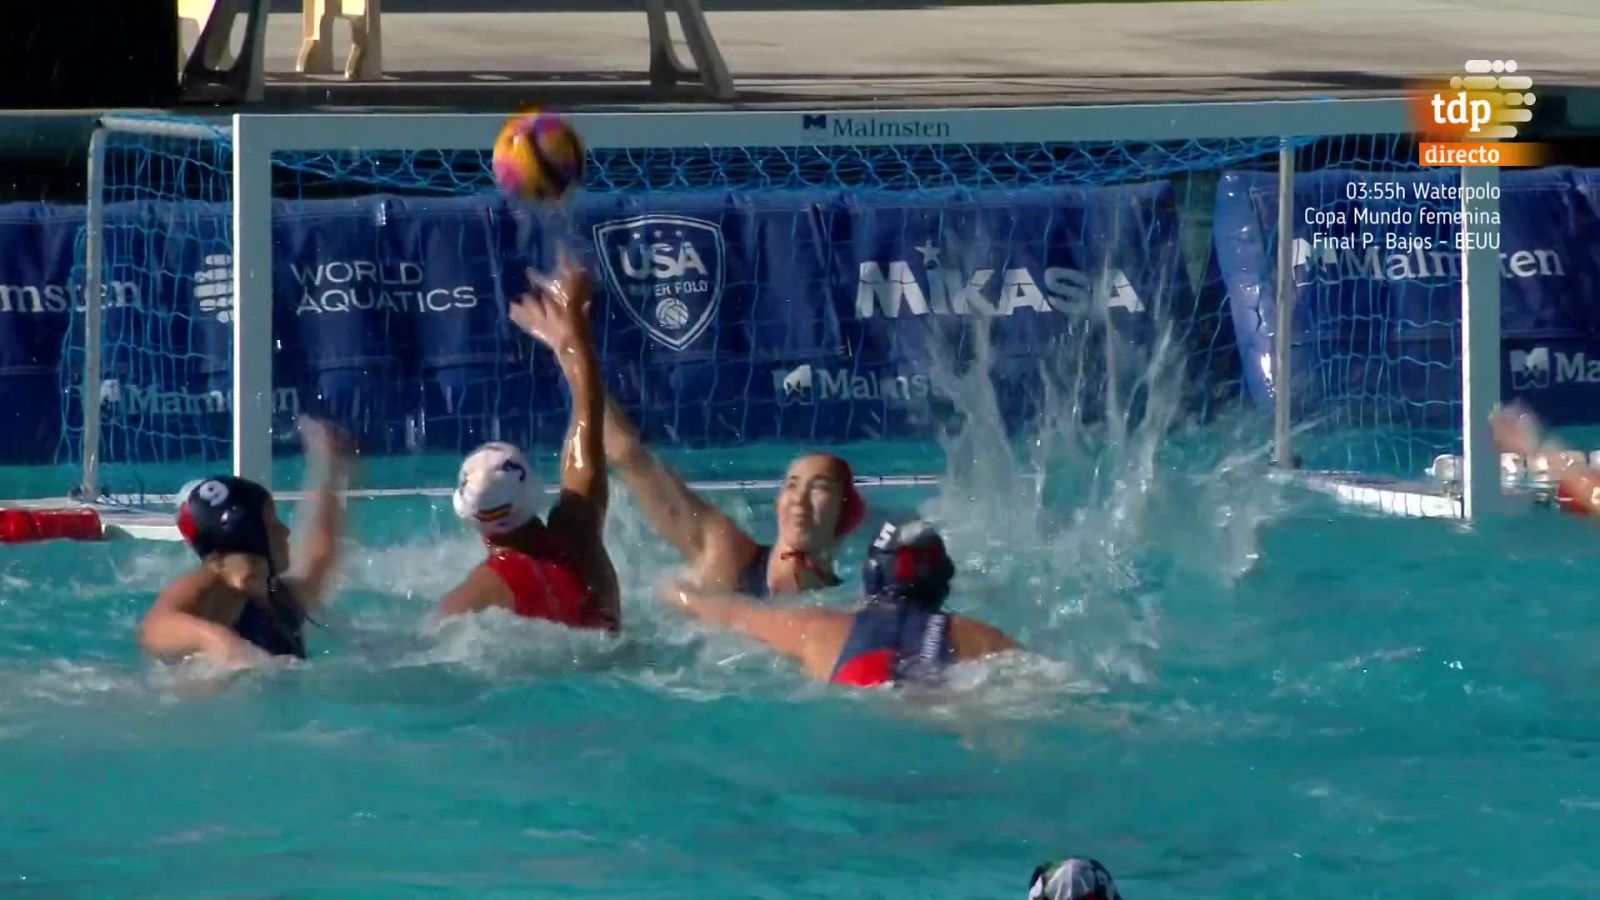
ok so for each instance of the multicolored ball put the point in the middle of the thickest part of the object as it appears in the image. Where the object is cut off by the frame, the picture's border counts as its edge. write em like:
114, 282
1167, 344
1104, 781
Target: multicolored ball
538, 156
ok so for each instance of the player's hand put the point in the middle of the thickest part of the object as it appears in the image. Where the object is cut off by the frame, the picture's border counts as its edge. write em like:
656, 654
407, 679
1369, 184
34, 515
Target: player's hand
325, 441
1516, 430
556, 308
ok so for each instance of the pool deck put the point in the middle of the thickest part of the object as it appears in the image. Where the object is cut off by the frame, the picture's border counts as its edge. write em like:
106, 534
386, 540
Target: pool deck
962, 55
486, 58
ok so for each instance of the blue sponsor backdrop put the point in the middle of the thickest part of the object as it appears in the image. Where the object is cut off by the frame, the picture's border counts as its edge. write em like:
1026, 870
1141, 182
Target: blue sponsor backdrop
1377, 315
821, 316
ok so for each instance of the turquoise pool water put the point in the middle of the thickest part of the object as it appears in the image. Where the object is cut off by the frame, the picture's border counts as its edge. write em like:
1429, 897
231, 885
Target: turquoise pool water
1235, 691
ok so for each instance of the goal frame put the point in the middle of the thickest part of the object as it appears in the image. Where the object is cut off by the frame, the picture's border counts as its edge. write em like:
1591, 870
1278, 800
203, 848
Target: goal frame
257, 137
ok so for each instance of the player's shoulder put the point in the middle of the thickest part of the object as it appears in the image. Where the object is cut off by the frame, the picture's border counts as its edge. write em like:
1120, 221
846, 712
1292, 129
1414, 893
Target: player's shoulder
190, 590
493, 578
974, 638
199, 579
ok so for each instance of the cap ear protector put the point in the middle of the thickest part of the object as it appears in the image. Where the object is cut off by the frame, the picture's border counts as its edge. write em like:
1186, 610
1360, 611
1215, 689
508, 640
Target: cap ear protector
224, 514
908, 564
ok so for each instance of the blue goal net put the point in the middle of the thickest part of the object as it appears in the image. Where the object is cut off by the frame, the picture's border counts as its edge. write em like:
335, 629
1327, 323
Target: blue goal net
804, 295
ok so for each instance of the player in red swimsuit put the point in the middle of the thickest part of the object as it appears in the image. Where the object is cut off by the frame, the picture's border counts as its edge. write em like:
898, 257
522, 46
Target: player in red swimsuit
1517, 430
901, 634
557, 569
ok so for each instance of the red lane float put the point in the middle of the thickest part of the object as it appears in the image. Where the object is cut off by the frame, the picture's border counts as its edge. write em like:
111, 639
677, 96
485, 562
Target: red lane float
26, 526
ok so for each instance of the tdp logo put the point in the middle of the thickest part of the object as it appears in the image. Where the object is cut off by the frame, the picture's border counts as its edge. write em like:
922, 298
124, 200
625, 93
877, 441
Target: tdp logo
667, 271
1532, 369
1487, 103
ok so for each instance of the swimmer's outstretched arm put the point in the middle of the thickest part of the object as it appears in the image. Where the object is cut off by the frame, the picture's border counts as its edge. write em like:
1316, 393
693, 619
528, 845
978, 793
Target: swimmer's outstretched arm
808, 635
170, 631
696, 528
321, 549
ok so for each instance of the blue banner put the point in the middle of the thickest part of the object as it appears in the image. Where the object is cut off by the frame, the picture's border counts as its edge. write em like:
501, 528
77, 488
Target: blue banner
1377, 261
809, 315
36, 294
913, 274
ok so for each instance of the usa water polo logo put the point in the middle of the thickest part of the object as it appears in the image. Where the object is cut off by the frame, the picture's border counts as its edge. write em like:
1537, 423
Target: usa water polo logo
667, 271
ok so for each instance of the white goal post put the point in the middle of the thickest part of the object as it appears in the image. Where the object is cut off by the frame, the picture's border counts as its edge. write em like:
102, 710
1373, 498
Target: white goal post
256, 138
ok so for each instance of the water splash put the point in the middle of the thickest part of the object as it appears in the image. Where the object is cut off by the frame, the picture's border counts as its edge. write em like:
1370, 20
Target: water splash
1112, 494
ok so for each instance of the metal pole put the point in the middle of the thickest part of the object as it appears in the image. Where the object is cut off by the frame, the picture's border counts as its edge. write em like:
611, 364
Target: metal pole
1282, 336
252, 299
1480, 350
93, 292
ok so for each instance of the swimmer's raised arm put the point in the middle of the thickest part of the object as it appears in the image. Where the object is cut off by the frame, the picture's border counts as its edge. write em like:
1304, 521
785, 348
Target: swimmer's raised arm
329, 452
699, 530
556, 313
172, 631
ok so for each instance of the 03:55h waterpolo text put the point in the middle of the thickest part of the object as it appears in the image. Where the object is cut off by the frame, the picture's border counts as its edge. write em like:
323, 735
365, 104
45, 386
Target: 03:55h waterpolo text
1406, 205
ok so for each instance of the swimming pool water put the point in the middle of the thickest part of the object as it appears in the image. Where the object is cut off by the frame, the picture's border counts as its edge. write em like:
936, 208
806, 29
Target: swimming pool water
1234, 691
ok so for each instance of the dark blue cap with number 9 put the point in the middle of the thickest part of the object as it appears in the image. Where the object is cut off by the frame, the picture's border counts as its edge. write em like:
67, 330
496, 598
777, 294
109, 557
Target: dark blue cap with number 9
224, 514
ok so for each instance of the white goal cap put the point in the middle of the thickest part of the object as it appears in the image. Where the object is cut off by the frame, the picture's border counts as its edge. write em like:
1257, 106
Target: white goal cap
497, 491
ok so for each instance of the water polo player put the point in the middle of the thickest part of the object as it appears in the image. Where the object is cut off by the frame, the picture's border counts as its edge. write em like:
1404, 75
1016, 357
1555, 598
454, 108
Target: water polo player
244, 601
1075, 878
902, 634
817, 506
1517, 430
557, 569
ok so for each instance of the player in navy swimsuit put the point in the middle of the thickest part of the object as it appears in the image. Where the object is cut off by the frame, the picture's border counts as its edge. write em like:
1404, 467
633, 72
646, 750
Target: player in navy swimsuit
817, 506
242, 604
902, 634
